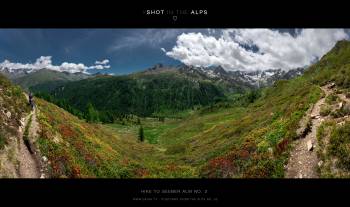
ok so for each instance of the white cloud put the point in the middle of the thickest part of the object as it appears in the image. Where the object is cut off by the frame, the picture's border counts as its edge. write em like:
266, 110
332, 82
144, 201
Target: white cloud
45, 62
275, 49
99, 67
103, 62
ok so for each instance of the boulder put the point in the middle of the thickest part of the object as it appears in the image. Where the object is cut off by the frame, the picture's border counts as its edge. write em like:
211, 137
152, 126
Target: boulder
304, 127
340, 105
320, 163
44, 159
332, 85
309, 145
22, 121
270, 150
8, 114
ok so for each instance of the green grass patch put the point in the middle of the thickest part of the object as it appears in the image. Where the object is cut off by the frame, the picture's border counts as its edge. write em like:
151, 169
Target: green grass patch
343, 111
339, 145
2, 140
332, 99
153, 131
325, 110
26, 130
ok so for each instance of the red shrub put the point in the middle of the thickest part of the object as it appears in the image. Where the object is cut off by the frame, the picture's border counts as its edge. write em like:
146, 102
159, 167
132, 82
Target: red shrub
76, 172
171, 167
249, 145
282, 145
66, 131
50, 118
90, 160
125, 161
141, 172
244, 154
236, 154
59, 165
220, 167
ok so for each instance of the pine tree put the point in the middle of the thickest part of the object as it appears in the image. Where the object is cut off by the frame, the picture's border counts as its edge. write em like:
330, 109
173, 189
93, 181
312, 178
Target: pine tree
92, 114
141, 134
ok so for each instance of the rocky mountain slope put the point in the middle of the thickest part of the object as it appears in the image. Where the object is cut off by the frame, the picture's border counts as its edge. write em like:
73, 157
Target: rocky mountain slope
235, 80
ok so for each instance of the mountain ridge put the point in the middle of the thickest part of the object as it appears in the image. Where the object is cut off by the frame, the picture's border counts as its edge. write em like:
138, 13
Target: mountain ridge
235, 80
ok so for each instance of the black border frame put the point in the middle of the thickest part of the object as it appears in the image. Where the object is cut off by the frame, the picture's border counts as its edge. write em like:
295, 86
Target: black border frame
102, 192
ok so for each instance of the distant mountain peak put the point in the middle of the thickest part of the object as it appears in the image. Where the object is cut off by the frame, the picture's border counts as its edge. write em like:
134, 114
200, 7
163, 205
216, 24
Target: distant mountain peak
257, 78
158, 65
220, 70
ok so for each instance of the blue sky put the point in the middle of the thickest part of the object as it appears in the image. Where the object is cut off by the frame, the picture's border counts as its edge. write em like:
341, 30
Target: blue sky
127, 50
130, 50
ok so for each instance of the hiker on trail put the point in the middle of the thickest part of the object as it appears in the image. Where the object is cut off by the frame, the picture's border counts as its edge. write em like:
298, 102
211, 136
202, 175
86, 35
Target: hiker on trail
31, 100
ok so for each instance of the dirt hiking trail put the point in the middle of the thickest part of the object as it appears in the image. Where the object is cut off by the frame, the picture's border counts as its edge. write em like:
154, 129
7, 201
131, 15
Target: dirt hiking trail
303, 161
28, 164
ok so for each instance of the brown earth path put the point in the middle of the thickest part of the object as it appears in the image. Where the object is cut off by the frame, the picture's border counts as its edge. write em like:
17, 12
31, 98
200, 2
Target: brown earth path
28, 165
303, 163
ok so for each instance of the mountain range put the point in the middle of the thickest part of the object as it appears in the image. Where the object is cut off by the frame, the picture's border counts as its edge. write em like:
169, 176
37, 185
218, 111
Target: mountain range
233, 80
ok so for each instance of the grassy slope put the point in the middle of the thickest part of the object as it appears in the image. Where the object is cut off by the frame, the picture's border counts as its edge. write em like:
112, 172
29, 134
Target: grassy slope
235, 142
78, 149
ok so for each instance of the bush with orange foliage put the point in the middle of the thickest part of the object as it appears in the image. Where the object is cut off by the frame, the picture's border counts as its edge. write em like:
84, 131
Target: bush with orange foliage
66, 131
220, 167
141, 172
282, 145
